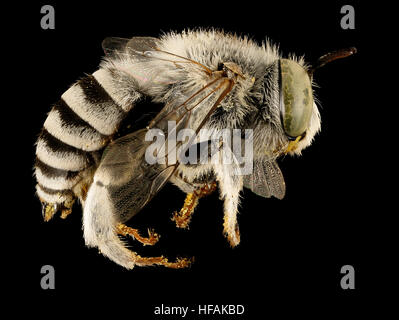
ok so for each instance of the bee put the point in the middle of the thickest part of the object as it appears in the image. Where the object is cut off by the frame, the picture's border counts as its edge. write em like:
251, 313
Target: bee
205, 79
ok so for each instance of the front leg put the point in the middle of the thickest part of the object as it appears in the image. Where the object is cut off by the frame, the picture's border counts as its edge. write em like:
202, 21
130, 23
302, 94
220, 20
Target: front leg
230, 186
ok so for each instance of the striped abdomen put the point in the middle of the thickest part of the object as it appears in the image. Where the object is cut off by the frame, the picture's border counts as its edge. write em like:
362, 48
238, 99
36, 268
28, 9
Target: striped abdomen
77, 128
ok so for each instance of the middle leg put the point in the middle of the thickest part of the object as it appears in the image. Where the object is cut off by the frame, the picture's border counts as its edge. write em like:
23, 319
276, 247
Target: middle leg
183, 217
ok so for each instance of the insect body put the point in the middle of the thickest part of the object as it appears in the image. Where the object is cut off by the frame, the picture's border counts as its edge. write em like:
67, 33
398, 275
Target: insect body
206, 80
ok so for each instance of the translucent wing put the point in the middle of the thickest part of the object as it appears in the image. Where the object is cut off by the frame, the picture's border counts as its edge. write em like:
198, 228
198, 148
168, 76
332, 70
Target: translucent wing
114, 46
146, 49
266, 179
131, 181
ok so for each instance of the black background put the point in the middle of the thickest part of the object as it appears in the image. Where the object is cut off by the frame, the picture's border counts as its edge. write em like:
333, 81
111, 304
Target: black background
291, 250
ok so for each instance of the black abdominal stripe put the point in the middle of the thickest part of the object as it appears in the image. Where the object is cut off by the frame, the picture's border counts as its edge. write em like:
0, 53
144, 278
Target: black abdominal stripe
77, 127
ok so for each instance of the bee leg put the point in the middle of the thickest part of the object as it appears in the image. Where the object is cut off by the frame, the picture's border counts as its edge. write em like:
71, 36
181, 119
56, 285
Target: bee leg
134, 233
230, 186
100, 230
48, 210
230, 225
183, 217
66, 208
162, 261
65, 212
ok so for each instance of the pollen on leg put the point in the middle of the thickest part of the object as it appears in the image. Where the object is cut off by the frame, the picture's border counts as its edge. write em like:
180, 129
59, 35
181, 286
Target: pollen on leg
183, 217
124, 230
162, 261
138, 260
66, 209
48, 210
65, 213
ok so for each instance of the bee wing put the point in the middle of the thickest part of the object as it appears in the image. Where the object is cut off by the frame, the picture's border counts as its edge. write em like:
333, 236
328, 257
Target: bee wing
147, 49
266, 180
114, 46
130, 180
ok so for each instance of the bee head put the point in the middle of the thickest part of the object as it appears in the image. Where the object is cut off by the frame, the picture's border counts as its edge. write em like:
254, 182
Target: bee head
287, 108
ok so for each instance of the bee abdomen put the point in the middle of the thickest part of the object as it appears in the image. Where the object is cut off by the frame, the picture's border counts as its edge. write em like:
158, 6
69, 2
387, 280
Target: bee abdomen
90, 102
58, 154
77, 128
65, 125
56, 179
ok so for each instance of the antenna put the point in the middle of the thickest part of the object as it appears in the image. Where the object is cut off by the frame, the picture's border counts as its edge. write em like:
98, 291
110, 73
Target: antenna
331, 56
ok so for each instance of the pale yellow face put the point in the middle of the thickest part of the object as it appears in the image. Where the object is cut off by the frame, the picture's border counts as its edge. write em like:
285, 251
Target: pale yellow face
296, 98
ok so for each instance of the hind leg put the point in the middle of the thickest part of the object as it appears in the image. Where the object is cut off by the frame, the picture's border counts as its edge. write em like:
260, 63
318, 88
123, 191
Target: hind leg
151, 240
134, 233
101, 228
50, 209
162, 261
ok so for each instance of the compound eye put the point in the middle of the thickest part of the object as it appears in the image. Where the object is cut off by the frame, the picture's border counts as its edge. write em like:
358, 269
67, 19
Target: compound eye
296, 98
